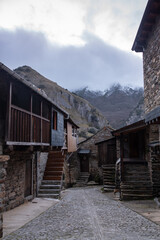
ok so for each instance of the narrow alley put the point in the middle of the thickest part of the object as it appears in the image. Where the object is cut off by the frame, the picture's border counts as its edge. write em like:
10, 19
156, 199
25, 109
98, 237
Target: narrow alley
87, 213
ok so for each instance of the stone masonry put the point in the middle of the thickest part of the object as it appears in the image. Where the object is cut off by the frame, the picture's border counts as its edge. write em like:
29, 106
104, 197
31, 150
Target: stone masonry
74, 161
3, 165
151, 61
41, 165
15, 178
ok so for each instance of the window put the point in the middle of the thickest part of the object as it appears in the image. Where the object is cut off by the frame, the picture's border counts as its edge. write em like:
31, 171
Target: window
74, 133
54, 120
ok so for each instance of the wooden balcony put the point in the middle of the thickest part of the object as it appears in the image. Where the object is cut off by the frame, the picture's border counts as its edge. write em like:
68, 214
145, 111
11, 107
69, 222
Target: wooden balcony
26, 128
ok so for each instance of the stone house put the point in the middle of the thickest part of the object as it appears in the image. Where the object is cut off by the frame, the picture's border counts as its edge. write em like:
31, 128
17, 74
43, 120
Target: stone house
106, 160
32, 141
133, 177
85, 159
138, 145
147, 42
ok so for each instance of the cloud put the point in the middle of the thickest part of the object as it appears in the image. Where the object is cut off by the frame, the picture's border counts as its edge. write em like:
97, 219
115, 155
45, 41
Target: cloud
65, 21
96, 64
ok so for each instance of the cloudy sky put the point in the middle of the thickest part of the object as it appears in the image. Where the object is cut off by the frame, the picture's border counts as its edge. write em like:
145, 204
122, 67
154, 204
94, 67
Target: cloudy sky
75, 43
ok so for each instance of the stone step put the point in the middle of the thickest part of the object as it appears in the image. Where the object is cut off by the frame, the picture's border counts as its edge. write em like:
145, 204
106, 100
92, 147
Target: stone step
84, 175
48, 195
136, 181
51, 168
49, 177
136, 190
53, 173
137, 174
55, 164
139, 179
58, 160
49, 186
109, 186
136, 196
59, 153
51, 182
55, 157
49, 191
143, 188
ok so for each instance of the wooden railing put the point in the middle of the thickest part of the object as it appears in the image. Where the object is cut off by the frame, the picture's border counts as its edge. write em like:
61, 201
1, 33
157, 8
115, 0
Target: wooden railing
26, 127
20, 126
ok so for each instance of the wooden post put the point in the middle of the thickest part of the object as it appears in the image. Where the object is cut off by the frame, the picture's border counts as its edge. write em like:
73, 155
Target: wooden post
51, 124
9, 111
31, 129
41, 122
122, 155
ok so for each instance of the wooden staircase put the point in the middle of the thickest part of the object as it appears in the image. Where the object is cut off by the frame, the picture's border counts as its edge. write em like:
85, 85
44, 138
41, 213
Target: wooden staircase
136, 183
53, 176
108, 177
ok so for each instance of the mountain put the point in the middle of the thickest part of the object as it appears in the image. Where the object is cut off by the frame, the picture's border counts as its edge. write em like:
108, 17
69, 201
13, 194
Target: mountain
87, 117
137, 114
115, 103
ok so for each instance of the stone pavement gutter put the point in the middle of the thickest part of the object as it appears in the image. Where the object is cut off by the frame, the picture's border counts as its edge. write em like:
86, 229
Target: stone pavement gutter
19, 216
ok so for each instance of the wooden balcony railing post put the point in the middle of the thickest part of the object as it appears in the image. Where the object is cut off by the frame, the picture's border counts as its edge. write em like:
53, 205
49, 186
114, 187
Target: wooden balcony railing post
121, 154
9, 110
31, 124
41, 122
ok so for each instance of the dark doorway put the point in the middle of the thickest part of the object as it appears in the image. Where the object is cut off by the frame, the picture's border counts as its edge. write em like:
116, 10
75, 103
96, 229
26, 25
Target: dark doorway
111, 153
84, 161
28, 179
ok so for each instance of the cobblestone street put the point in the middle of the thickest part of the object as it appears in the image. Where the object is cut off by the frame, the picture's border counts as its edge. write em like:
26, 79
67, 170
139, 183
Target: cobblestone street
86, 213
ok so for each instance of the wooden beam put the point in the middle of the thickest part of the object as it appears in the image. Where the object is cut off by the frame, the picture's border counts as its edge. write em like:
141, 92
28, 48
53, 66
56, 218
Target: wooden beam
27, 143
9, 110
41, 121
31, 127
122, 155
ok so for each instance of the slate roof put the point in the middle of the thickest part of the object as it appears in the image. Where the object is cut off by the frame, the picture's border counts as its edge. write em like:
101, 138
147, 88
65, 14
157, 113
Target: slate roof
32, 86
149, 18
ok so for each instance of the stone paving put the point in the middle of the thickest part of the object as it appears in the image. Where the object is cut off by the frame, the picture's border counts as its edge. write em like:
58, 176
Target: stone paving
88, 214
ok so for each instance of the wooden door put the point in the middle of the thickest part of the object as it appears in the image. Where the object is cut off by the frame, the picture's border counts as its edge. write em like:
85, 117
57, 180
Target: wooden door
111, 154
84, 163
28, 178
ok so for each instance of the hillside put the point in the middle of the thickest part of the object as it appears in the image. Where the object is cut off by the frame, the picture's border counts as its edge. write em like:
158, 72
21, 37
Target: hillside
116, 103
82, 112
137, 113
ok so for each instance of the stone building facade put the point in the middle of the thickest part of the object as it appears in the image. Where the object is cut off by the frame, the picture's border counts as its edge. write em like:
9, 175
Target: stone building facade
147, 41
151, 63
16, 177
74, 164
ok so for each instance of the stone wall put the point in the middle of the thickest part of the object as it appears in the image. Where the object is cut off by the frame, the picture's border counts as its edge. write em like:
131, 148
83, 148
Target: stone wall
71, 169
15, 178
72, 165
3, 165
41, 164
154, 158
118, 147
89, 144
152, 69
103, 134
